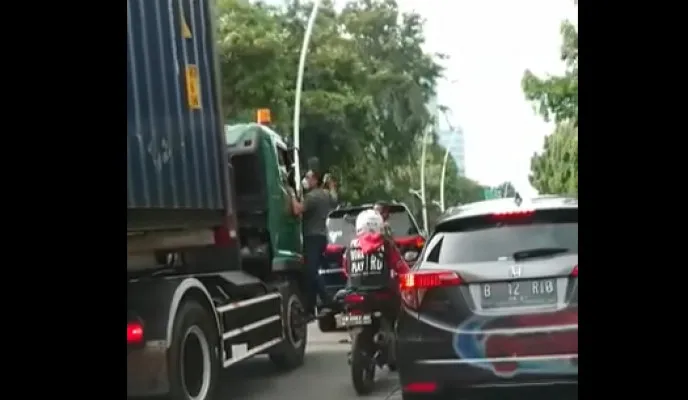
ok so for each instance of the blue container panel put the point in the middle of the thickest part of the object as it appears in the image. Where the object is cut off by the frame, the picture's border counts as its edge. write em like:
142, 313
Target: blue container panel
174, 152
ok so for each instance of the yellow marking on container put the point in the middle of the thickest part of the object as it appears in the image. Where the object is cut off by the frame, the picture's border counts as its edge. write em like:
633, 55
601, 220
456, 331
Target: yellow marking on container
193, 87
186, 32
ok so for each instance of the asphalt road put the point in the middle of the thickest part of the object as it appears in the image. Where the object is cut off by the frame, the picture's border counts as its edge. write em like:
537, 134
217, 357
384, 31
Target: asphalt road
325, 375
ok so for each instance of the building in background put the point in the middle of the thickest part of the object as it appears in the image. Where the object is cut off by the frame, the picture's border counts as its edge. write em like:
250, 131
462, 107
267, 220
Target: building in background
434, 110
454, 141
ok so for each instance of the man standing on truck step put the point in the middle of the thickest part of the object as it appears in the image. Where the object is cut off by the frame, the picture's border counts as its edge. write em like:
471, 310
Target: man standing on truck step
317, 203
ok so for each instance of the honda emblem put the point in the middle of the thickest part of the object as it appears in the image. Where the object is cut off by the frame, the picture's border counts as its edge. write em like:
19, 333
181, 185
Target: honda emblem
516, 271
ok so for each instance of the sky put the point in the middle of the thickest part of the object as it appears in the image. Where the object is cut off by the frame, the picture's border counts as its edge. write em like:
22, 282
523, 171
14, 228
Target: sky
490, 44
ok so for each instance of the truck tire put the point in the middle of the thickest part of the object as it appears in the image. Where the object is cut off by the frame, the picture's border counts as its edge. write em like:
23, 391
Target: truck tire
290, 353
193, 356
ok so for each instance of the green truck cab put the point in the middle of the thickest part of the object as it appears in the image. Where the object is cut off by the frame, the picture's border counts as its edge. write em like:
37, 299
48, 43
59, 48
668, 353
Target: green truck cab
261, 168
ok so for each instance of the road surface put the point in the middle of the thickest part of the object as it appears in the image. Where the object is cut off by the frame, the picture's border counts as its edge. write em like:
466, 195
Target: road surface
325, 375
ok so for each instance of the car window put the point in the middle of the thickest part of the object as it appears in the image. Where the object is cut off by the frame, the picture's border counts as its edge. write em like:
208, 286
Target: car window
486, 240
342, 232
401, 223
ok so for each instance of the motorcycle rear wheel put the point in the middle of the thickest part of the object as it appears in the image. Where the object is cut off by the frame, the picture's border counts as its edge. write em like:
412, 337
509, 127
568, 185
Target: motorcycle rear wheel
362, 362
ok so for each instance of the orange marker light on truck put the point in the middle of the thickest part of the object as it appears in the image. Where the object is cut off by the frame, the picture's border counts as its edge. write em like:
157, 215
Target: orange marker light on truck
263, 116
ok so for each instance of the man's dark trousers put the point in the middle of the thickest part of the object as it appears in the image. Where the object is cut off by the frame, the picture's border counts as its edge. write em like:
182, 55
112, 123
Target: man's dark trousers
314, 246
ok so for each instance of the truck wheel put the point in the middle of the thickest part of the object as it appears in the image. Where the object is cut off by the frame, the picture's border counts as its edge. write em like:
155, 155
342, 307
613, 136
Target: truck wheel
193, 357
290, 353
327, 324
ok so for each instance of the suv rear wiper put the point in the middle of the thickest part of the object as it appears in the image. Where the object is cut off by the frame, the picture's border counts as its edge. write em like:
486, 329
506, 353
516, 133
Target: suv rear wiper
539, 252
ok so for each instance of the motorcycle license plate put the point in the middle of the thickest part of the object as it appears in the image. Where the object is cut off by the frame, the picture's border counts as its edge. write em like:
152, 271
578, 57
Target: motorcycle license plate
356, 319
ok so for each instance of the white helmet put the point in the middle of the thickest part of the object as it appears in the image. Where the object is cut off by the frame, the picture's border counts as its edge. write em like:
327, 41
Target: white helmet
369, 221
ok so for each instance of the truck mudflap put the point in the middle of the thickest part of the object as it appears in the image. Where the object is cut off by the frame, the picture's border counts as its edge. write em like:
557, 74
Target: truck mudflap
147, 370
155, 301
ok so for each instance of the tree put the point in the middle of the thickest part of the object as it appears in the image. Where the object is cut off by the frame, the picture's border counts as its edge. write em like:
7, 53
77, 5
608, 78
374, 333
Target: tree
556, 97
365, 90
555, 170
252, 60
366, 83
506, 189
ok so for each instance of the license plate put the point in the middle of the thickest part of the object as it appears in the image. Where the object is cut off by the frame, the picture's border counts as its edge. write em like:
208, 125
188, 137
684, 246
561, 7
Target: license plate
332, 270
356, 319
518, 293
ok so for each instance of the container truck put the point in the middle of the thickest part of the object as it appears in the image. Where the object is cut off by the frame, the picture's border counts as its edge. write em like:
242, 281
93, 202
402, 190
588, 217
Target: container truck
214, 262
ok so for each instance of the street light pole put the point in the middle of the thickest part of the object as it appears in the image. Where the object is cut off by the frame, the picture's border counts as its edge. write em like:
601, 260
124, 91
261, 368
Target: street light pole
423, 204
418, 194
297, 95
442, 176
444, 163
438, 205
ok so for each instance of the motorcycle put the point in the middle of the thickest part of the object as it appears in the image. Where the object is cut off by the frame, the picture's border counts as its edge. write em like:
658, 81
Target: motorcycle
366, 318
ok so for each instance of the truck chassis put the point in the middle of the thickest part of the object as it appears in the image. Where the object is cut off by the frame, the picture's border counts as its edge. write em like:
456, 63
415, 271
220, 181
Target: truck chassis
194, 325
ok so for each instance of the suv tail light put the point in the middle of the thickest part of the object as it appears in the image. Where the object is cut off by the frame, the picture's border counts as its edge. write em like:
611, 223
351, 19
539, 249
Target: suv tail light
410, 247
134, 333
421, 387
410, 242
574, 271
353, 299
414, 285
333, 248
338, 251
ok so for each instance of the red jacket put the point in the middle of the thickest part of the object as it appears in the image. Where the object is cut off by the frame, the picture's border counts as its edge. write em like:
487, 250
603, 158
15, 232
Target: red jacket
370, 242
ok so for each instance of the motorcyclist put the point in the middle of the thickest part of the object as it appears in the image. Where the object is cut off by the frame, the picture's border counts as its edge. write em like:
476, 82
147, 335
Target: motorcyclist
370, 261
372, 257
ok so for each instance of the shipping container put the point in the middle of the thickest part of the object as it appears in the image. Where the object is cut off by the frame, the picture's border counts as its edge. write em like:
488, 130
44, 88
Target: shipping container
176, 152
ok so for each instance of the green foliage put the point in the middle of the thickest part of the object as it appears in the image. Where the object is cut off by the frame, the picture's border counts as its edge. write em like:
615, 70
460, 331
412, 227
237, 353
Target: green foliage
366, 83
555, 170
556, 97
504, 189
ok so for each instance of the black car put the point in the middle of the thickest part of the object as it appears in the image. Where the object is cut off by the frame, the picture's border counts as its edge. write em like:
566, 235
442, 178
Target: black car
341, 230
492, 303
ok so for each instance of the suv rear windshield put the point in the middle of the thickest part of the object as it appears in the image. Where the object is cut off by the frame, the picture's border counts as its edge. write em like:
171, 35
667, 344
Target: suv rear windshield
479, 239
341, 224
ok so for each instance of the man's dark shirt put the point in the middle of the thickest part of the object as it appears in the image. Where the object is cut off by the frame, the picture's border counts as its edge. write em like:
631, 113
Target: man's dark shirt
317, 203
